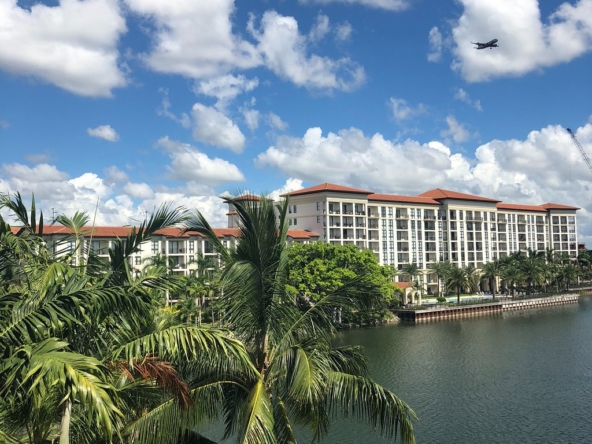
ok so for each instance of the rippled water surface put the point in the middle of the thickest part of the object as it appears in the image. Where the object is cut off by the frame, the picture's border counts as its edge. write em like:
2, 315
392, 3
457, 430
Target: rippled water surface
518, 377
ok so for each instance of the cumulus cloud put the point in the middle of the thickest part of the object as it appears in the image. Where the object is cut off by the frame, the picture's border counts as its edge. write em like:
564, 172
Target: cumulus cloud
251, 118
343, 31
225, 88
292, 184
103, 132
390, 5
194, 38
276, 122
463, 96
320, 28
72, 45
435, 39
402, 111
284, 50
138, 190
456, 130
214, 128
191, 165
526, 42
165, 110
115, 175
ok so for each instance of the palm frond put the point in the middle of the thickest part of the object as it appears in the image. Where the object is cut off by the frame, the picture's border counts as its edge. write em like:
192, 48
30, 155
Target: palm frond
256, 418
367, 401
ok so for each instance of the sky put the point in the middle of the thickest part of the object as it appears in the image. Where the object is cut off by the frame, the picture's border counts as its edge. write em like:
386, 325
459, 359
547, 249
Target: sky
119, 106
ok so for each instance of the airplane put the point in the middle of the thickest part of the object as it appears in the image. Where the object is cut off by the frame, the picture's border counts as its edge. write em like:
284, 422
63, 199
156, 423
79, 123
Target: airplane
491, 44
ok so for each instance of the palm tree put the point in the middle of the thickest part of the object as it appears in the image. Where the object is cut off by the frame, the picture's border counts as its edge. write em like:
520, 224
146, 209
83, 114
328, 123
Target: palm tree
512, 275
473, 277
491, 271
457, 280
301, 378
568, 274
531, 269
440, 269
82, 353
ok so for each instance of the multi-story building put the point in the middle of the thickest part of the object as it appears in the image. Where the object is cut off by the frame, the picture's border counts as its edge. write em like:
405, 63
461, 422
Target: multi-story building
438, 225
179, 250
434, 226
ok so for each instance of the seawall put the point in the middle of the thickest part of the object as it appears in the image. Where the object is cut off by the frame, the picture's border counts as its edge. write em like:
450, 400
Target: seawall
439, 313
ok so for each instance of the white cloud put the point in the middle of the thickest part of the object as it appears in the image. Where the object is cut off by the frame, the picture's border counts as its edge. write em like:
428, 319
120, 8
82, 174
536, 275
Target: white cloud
525, 42
390, 5
401, 111
343, 31
225, 88
165, 110
103, 132
292, 184
138, 190
463, 96
285, 53
456, 130
435, 38
276, 122
115, 175
191, 165
37, 158
194, 38
214, 128
4, 124
320, 28
251, 118
72, 45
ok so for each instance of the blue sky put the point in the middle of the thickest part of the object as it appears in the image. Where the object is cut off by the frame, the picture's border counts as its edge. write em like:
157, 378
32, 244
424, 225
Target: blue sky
136, 102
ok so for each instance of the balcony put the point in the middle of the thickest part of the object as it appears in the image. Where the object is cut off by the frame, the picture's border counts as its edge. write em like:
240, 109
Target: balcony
502, 220
430, 217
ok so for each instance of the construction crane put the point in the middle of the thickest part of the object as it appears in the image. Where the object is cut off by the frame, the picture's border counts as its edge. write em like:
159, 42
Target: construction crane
581, 149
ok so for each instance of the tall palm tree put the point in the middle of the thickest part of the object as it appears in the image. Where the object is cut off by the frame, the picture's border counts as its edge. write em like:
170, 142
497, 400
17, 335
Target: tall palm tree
440, 269
491, 271
512, 275
531, 269
82, 355
456, 280
301, 378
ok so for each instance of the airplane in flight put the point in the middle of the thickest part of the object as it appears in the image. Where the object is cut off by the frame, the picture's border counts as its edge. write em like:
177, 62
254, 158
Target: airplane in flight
491, 44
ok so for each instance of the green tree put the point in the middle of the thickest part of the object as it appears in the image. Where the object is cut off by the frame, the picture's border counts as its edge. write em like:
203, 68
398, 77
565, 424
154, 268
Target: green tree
441, 270
301, 378
456, 280
83, 355
473, 277
491, 271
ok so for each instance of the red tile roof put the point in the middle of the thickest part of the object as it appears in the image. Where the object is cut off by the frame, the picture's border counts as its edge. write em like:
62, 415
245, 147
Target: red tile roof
403, 199
403, 285
248, 197
224, 232
231, 213
554, 206
518, 207
438, 194
327, 187
302, 234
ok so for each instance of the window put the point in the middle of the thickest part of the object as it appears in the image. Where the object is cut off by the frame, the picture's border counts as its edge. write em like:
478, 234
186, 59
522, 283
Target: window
318, 206
154, 247
294, 209
318, 219
173, 247
383, 211
294, 221
191, 246
138, 260
419, 213
290, 221
390, 211
96, 247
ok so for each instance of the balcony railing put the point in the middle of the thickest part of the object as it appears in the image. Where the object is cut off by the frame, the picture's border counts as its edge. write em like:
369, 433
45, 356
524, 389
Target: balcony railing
401, 216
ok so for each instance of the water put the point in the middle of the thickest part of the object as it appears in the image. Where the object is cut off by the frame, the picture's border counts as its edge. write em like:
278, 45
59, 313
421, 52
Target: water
519, 377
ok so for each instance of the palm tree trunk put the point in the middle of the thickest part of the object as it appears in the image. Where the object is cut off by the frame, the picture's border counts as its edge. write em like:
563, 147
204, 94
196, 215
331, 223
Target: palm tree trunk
458, 295
493, 288
65, 426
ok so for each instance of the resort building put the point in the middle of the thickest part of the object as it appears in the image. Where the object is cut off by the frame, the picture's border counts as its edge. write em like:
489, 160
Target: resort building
438, 225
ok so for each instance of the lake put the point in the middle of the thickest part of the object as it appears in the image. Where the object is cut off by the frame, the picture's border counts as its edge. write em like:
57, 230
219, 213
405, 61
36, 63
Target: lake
517, 377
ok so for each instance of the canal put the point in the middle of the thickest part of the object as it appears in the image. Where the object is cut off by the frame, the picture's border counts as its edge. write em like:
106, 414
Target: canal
515, 377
